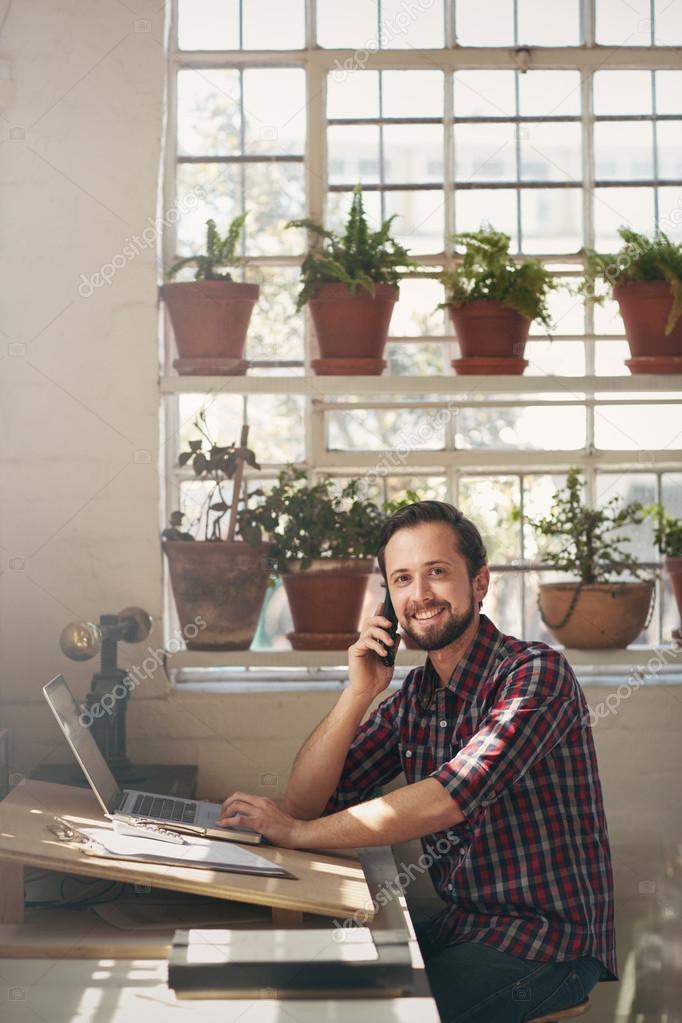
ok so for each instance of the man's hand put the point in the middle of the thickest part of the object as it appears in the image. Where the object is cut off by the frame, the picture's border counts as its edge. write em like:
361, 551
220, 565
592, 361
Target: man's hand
264, 815
367, 674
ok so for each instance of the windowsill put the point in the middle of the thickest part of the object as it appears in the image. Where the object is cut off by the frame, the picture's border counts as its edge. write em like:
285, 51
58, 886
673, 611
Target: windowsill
278, 671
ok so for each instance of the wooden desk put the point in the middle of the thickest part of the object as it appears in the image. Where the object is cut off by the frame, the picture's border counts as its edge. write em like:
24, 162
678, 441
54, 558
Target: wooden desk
329, 883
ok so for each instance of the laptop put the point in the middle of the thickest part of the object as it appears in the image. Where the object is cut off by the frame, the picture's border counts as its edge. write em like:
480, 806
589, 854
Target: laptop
129, 805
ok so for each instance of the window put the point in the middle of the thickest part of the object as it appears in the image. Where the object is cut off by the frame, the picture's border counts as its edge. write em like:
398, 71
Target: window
427, 104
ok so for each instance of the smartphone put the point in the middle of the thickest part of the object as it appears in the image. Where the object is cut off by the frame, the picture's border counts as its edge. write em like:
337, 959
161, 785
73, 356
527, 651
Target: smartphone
387, 611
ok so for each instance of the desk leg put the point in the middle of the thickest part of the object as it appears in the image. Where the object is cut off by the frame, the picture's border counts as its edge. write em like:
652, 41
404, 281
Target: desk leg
11, 892
286, 917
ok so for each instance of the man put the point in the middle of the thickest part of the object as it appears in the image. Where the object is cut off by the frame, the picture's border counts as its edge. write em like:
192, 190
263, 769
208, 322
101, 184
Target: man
494, 739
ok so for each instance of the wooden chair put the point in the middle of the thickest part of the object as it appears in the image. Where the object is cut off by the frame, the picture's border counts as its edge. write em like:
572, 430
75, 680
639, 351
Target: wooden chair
572, 1013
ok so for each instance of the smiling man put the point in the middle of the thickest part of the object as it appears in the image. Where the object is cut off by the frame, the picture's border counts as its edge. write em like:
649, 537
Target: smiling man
503, 789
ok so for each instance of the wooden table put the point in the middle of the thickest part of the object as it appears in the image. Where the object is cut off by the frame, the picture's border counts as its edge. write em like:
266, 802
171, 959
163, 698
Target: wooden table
330, 883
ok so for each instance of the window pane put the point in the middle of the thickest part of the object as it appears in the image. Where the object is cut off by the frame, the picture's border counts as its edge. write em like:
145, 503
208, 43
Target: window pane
484, 94
670, 211
668, 22
282, 27
669, 92
633, 207
495, 205
338, 205
220, 199
488, 501
353, 94
420, 220
631, 486
485, 23
618, 159
208, 24
638, 427
275, 194
385, 429
566, 311
549, 93
622, 92
485, 152
623, 22
671, 493
669, 135
274, 111
353, 153
208, 113
550, 152
560, 358
417, 359
543, 24
276, 329
528, 429
551, 220
275, 421
503, 602
413, 153
416, 313
411, 26
412, 94
353, 23
610, 356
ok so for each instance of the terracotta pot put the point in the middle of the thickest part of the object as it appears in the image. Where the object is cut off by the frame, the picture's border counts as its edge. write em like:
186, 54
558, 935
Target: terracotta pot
673, 567
326, 601
210, 320
222, 583
607, 616
489, 334
645, 307
352, 326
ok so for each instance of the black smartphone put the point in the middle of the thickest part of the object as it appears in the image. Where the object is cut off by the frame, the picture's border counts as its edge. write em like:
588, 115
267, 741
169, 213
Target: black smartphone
387, 611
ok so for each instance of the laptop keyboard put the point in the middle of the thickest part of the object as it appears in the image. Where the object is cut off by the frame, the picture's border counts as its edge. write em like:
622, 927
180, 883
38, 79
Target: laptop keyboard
165, 808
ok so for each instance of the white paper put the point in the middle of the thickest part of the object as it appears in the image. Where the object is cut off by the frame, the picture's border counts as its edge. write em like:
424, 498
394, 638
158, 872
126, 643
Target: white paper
320, 945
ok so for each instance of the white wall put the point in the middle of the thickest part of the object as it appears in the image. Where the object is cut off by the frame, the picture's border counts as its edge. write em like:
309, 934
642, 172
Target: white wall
79, 442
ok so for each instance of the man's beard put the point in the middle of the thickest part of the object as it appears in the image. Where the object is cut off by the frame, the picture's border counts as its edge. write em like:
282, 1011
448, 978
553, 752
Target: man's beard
446, 630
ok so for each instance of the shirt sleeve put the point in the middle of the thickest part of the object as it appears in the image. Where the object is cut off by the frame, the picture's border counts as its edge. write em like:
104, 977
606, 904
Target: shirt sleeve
536, 706
373, 758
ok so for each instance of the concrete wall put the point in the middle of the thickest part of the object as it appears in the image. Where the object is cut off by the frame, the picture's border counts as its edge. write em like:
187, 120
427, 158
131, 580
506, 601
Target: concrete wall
79, 440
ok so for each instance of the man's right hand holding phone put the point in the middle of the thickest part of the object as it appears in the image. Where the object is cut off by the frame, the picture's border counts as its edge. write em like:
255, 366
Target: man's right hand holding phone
367, 673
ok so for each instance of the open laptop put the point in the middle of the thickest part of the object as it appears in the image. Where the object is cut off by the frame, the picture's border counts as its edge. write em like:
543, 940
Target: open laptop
192, 815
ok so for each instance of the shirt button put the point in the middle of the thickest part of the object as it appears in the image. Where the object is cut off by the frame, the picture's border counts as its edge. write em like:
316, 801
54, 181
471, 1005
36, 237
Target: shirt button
443, 723
408, 752
450, 887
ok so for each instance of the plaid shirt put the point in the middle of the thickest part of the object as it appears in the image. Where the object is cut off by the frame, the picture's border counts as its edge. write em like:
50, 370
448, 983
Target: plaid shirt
528, 871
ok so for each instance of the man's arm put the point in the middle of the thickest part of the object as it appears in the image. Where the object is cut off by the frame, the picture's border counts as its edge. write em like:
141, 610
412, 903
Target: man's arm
319, 763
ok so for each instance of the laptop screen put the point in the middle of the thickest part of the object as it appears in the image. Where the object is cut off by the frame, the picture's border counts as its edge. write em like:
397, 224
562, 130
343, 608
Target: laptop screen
85, 749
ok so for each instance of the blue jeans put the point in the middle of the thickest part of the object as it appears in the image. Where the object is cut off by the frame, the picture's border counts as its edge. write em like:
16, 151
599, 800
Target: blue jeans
473, 983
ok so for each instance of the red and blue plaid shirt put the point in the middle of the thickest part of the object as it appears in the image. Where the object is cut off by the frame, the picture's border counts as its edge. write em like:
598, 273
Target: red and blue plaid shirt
528, 871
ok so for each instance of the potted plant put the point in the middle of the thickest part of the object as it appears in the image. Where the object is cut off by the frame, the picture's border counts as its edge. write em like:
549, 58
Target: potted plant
492, 300
350, 283
594, 611
645, 278
668, 539
323, 544
220, 578
210, 315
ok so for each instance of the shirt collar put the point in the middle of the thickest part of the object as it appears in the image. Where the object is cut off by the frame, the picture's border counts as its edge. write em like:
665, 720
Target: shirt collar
469, 672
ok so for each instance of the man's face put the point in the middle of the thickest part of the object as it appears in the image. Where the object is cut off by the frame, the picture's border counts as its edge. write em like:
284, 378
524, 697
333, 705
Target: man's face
428, 579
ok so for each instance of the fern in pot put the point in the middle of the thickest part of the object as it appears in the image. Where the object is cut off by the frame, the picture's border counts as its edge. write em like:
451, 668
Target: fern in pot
492, 299
594, 610
350, 284
645, 278
210, 315
323, 544
668, 539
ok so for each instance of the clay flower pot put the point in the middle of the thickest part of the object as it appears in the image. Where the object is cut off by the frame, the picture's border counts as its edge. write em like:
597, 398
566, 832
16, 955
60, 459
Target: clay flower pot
210, 320
351, 329
221, 582
673, 567
491, 336
645, 307
607, 616
326, 601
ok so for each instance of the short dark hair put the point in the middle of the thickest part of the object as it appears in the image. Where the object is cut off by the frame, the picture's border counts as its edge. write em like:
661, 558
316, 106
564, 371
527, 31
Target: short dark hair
469, 541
